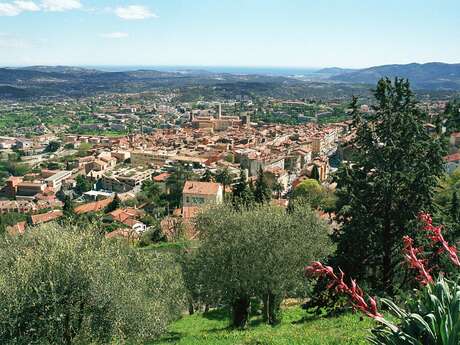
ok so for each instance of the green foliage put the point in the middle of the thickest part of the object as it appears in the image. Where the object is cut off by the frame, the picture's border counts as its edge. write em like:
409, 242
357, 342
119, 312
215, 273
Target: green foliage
452, 114
83, 185
14, 168
315, 172
69, 286
310, 191
114, 204
382, 190
53, 146
9, 219
223, 176
242, 194
207, 176
153, 234
431, 318
176, 182
262, 191
252, 253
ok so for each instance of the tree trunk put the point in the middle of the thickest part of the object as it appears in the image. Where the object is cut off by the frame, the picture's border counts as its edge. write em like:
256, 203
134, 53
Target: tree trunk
271, 308
240, 312
386, 262
191, 309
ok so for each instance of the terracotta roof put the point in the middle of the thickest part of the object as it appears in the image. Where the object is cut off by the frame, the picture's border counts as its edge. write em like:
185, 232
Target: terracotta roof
162, 177
123, 233
452, 158
201, 188
17, 229
93, 206
46, 217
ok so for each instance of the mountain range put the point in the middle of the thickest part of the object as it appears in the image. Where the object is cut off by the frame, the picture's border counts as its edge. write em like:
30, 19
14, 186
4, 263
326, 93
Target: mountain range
428, 76
38, 81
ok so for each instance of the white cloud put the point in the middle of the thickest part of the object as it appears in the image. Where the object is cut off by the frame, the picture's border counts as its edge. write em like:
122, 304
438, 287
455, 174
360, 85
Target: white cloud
115, 35
16, 7
60, 5
134, 12
9, 10
27, 5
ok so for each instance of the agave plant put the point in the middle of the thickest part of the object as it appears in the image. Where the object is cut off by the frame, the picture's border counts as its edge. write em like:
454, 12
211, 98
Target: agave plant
433, 318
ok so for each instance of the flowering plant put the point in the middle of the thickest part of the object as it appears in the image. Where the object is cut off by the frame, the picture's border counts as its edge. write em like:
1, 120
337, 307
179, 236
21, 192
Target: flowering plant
432, 318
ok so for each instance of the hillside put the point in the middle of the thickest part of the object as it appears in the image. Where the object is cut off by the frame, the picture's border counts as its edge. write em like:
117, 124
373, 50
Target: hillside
431, 76
62, 81
296, 329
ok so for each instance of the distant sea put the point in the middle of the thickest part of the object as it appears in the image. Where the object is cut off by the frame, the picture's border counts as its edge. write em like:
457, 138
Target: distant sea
275, 71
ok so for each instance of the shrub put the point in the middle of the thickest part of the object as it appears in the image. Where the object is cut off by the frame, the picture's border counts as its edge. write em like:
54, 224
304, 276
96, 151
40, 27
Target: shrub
68, 286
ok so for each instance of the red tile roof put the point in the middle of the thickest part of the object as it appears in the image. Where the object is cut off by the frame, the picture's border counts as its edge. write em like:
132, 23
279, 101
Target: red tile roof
46, 217
453, 157
201, 188
93, 206
162, 177
17, 229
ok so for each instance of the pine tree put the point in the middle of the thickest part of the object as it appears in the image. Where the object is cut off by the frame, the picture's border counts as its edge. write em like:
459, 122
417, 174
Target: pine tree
388, 182
262, 192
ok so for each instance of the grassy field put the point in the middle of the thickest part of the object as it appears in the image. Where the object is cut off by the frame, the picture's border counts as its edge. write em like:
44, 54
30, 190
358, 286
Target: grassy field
297, 328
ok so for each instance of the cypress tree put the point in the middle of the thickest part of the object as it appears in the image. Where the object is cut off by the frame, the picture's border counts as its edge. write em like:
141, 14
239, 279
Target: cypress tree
455, 207
315, 173
262, 192
390, 180
242, 193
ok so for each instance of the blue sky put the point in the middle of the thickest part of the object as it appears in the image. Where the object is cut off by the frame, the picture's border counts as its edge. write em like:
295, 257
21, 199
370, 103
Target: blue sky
295, 33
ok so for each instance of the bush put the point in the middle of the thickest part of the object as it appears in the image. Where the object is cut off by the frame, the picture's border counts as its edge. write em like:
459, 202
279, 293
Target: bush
71, 286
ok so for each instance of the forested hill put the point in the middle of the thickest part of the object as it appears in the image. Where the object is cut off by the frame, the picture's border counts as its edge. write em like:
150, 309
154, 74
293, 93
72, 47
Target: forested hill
429, 76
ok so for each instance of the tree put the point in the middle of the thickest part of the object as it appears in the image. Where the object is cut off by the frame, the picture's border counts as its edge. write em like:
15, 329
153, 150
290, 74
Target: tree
452, 116
278, 188
223, 176
455, 207
83, 185
310, 191
207, 176
315, 172
53, 146
176, 182
262, 191
69, 285
388, 182
242, 193
68, 208
114, 204
256, 253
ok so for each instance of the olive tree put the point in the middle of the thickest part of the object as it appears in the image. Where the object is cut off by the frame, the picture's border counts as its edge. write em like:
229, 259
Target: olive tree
257, 253
69, 286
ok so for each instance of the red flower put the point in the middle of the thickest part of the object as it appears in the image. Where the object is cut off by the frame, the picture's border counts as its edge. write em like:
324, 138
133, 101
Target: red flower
356, 295
410, 254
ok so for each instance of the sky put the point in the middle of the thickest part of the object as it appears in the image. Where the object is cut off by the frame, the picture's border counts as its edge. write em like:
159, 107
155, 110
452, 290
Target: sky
284, 33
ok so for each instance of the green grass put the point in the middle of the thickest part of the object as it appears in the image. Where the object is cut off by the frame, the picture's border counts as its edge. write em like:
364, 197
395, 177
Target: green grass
297, 328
